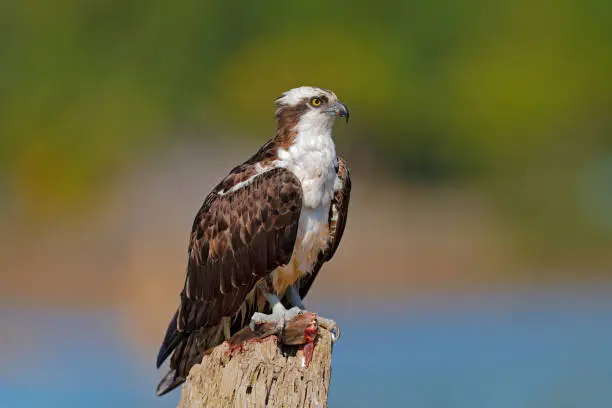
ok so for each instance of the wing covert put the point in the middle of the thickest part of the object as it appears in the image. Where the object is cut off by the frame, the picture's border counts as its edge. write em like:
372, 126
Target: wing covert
241, 233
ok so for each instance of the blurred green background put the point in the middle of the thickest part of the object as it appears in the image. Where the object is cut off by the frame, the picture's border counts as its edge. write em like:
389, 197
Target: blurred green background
480, 144
511, 97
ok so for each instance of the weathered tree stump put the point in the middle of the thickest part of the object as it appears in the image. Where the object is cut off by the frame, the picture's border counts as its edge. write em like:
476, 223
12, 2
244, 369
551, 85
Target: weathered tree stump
265, 369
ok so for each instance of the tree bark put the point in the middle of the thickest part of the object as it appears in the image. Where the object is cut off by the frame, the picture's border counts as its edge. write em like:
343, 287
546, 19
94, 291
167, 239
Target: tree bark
265, 369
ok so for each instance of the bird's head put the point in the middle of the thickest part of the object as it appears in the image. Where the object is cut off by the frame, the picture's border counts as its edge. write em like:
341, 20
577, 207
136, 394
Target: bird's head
309, 107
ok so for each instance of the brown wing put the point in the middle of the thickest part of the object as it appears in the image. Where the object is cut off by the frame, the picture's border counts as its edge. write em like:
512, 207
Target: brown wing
338, 213
237, 238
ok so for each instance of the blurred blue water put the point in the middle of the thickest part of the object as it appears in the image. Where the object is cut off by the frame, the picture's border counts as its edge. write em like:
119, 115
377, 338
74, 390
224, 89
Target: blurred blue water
71, 359
518, 349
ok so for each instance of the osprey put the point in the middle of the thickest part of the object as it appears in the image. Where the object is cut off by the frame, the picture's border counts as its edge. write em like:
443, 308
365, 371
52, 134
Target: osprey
263, 233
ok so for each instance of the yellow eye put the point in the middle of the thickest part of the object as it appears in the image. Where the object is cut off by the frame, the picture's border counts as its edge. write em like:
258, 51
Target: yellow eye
315, 102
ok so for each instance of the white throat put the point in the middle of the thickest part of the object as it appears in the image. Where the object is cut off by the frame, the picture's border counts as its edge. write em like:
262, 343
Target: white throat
312, 158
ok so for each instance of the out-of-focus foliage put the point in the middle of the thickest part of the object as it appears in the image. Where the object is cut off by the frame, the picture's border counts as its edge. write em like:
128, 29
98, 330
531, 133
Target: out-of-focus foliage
514, 95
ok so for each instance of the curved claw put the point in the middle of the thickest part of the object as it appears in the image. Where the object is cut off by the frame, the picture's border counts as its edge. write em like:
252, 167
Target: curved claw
335, 334
331, 326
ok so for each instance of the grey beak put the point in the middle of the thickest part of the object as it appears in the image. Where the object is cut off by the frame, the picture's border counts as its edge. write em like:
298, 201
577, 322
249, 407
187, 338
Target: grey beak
340, 109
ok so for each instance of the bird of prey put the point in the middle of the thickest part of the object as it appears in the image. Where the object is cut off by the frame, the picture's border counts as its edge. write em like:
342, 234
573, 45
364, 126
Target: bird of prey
263, 233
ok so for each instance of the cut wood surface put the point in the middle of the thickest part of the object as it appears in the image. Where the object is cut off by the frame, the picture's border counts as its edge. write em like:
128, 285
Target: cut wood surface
264, 369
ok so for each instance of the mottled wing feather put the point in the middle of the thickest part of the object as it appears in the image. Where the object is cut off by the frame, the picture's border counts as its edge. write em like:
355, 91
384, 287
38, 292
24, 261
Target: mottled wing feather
338, 213
237, 238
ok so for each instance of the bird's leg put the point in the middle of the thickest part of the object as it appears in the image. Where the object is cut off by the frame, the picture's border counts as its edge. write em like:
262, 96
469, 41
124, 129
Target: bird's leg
293, 295
278, 316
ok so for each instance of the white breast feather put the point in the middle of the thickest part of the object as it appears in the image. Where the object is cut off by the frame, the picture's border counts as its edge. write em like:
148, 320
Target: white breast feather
312, 158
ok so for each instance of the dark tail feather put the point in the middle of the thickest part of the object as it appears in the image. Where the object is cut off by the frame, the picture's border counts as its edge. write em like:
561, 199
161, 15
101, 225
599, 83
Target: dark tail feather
168, 383
171, 339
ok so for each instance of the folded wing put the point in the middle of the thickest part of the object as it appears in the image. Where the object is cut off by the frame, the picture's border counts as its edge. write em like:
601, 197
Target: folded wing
246, 228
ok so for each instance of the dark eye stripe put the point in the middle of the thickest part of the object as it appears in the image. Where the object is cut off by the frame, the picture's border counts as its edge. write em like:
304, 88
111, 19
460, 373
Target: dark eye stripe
324, 98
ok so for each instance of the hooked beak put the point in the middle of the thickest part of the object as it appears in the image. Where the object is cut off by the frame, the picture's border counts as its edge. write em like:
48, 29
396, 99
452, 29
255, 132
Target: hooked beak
340, 109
